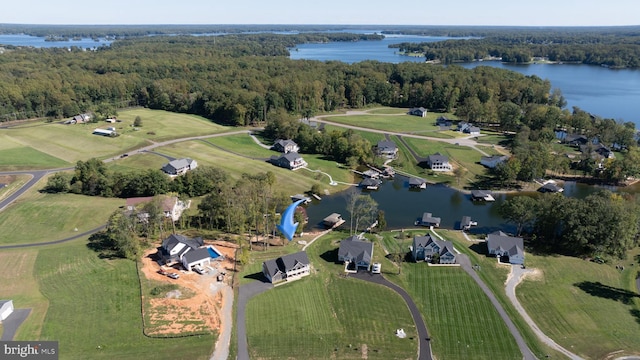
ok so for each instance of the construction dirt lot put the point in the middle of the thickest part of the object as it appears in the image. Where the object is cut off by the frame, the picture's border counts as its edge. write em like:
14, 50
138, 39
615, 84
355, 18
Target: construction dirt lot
196, 305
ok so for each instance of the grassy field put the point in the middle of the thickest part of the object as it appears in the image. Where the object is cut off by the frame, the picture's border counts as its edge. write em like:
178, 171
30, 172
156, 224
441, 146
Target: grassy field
94, 309
290, 181
327, 316
591, 309
137, 162
51, 145
391, 122
38, 217
12, 183
242, 144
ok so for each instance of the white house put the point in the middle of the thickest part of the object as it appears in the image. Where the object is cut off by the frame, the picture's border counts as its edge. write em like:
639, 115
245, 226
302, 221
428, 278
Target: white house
438, 162
6, 308
287, 268
286, 146
179, 166
172, 207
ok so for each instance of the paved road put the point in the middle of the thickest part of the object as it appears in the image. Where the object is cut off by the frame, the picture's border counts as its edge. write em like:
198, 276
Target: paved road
515, 277
35, 177
424, 343
245, 293
465, 263
88, 232
221, 351
13, 322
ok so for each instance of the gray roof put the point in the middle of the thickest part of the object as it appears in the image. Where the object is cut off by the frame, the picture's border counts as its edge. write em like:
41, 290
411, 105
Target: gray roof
503, 242
292, 156
370, 182
335, 217
550, 187
443, 245
471, 129
429, 218
416, 181
196, 255
2, 302
354, 248
494, 158
437, 157
386, 145
177, 164
174, 239
283, 143
480, 193
466, 221
286, 262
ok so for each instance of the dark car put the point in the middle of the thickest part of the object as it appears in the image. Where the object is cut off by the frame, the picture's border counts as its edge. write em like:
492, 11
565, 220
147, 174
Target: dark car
162, 272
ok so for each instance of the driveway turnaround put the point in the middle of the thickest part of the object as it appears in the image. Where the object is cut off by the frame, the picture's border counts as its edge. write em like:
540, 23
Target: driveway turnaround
424, 341
13, 322
465, 264
245, 293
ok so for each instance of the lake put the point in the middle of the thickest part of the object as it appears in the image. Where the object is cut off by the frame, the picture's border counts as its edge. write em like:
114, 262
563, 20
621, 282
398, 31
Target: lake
605, 92
39, 42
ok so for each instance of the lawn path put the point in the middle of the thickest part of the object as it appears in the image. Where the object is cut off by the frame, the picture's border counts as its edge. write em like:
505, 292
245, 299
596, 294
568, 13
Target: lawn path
221, 351
515, 277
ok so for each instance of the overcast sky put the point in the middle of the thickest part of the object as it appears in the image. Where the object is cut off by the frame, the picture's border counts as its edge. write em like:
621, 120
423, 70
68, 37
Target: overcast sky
388, 12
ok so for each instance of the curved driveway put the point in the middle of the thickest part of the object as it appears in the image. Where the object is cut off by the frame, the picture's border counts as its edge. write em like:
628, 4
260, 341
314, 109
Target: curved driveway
245, 293
424, 341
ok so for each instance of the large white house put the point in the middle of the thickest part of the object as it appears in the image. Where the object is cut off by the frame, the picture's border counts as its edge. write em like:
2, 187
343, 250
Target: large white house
438, 162
179, 166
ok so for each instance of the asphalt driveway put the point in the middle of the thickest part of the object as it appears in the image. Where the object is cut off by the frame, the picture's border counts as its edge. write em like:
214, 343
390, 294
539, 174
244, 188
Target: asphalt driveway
13, 322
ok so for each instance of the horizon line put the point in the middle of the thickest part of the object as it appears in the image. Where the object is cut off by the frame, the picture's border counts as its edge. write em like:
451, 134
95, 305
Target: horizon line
319, 24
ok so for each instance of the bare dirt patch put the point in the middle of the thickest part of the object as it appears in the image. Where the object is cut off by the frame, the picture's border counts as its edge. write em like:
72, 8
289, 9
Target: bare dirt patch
534, 275
198, 309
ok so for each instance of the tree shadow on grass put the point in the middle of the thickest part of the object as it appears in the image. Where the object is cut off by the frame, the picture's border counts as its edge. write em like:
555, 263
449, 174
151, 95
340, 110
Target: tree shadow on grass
330, 256
479, 248
102, 243
607, 292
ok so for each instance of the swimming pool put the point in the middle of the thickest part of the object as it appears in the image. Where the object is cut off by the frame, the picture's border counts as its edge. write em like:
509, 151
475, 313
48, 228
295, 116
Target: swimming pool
213, 252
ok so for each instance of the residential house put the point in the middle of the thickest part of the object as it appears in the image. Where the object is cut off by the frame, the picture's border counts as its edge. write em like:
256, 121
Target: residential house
493, 161
387, 149
6, 309
286, 146
172, 207
428, 219
417, 183
428, 248
333, 220
463, 126
466, 223
292, 161
443, 121
356, 253
438, 162
196, 257
502, 245
175, 246
481, 195
79, 119
575, 140
287, 268
472, 130
179, 166
422, 112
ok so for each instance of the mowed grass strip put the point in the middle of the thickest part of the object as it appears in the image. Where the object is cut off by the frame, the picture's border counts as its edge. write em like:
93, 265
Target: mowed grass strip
242, 144
94, 309
462, 321
393, 123
586, 307
26, 158
39, 217
18, 282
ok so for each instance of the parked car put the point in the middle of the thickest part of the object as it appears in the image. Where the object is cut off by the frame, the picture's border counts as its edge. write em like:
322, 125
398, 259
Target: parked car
375, 269
198, 269
173, 275
162, 272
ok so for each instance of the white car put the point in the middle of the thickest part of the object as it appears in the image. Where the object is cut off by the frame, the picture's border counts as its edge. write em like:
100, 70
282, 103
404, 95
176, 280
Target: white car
376, 268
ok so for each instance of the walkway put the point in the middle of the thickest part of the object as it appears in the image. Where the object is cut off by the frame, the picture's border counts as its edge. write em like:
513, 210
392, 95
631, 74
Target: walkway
424, 341
245, 293
465, 264
331, 181
515, 277
259, 142
221, 351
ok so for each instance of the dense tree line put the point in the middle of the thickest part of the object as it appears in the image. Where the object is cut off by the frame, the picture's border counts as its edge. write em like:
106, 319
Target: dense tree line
603, 223
236, 79
93, 178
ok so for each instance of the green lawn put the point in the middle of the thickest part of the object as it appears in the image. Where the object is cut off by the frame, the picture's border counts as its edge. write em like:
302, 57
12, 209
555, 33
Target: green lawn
26, 158
94, 309
591, 309
326, 316
388, 111
289, 181
395, 123
242, 144
38, 217
138, 161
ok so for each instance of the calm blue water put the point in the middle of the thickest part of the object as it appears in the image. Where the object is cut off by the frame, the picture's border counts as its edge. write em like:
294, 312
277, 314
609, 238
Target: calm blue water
27, 40
605, 92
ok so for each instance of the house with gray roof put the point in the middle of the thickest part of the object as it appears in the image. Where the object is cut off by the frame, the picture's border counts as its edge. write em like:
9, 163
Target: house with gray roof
179, 166
356, 253
417, 183
418, 111
503, 245
387, 149
286, 146
493, 161
287, 268
438, 162
198, 257
175, 246
430, 249
291, 161
370, 183
550, 188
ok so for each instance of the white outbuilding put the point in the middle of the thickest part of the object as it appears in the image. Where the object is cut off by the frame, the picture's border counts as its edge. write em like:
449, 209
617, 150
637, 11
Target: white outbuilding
6, 308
